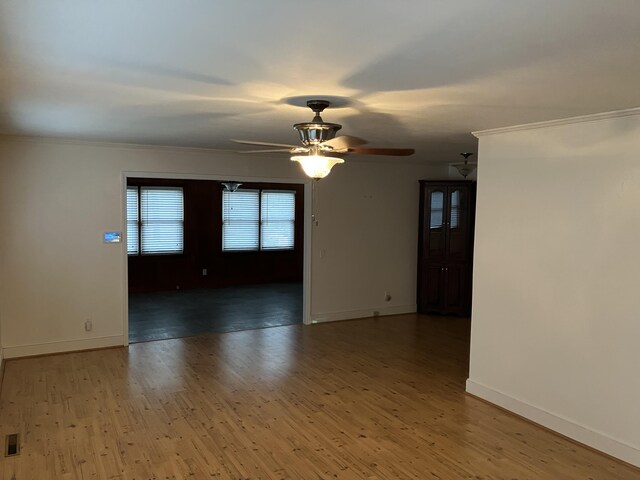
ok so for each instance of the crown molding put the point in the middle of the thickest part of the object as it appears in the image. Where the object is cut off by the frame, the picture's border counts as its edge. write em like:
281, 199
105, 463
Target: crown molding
46, 140
104, 143
629, 112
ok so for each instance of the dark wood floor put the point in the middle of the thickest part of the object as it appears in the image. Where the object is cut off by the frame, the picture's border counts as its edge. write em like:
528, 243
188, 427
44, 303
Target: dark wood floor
379, 398
183, 313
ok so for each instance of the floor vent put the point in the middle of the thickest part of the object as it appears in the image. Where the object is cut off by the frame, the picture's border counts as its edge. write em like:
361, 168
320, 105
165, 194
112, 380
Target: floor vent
12, 447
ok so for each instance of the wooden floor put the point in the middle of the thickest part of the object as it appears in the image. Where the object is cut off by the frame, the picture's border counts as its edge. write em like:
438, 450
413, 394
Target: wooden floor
184, 313
367, 399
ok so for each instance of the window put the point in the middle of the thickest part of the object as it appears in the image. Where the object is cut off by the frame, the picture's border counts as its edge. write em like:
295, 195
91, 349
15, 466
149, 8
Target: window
133, 234
240, 220
155, 220
258, 220
277, 220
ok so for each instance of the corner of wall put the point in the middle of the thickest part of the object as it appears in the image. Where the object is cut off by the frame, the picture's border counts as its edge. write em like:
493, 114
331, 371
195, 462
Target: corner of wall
557, 374
563, 426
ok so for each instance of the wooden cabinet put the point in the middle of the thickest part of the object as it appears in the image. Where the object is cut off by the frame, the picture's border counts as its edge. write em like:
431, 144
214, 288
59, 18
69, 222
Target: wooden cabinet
445, 254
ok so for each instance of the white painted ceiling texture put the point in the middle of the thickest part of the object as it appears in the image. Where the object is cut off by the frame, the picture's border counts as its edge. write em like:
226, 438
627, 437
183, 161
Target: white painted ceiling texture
408, 73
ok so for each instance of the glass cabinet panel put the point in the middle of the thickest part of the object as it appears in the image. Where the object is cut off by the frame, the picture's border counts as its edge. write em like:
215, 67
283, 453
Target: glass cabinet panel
457, 215
437, 209
436, 234
454, 217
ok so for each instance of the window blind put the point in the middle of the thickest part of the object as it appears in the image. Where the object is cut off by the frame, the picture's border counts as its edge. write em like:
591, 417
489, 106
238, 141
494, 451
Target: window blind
455, 209
162, 219
277, 220
240, 220
132, 220
437, 209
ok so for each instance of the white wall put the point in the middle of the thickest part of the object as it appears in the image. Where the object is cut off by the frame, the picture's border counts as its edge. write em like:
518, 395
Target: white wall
57, 198
368, 231
556, 302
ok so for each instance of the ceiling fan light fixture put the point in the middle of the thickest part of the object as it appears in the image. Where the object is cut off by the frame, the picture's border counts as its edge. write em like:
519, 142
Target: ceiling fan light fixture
317, 130
321, 148
314, 133
316, 166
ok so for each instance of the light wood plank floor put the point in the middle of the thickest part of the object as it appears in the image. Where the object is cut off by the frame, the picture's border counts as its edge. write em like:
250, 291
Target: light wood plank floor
367, 399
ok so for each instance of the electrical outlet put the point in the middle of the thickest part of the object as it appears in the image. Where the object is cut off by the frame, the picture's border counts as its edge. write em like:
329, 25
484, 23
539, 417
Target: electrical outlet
204, 272
387, 296
88, 325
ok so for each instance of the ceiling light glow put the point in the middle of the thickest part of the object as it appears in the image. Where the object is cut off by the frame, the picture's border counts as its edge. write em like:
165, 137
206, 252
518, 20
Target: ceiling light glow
316, 166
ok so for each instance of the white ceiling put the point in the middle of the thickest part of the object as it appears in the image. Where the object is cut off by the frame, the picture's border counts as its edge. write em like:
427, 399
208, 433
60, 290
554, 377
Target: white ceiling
411, 73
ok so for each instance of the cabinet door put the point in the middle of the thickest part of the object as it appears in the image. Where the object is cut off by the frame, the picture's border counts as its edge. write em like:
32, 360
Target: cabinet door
435, 224
444, 280
458, 211
456, 289
432, 292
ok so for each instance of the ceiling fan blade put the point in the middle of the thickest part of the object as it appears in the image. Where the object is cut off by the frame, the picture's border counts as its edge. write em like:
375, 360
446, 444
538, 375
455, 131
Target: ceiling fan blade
397, 152
275, 150
344, 141
264, 144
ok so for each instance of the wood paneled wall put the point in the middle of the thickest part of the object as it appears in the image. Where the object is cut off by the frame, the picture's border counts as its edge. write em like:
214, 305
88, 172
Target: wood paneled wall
203, 246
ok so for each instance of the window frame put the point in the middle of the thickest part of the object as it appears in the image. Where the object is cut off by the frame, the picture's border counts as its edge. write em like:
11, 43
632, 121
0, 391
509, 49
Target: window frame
260, 249
244, 250
140, 253
137, 222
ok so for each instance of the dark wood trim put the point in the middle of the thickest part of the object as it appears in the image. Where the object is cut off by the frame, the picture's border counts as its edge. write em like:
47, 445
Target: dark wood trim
4, 362
203, 245
157, 182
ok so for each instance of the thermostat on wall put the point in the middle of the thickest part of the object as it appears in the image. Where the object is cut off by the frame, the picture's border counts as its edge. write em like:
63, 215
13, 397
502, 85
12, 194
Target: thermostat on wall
112, 237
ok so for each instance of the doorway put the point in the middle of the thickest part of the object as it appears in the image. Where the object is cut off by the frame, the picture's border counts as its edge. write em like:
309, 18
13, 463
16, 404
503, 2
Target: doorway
202, 258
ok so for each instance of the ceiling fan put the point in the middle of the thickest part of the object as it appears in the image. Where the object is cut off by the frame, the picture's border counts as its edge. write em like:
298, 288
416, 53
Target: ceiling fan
321, 148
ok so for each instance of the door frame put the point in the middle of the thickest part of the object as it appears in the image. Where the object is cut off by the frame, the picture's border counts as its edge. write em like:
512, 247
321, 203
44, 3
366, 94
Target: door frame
307, 229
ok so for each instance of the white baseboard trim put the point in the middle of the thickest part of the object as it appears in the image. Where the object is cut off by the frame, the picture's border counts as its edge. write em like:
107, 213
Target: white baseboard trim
59, 347
363, 313
580, 433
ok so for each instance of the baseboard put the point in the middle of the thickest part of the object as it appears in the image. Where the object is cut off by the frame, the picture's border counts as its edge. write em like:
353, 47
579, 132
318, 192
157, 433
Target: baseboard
364, 313
59, 347
563, 426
